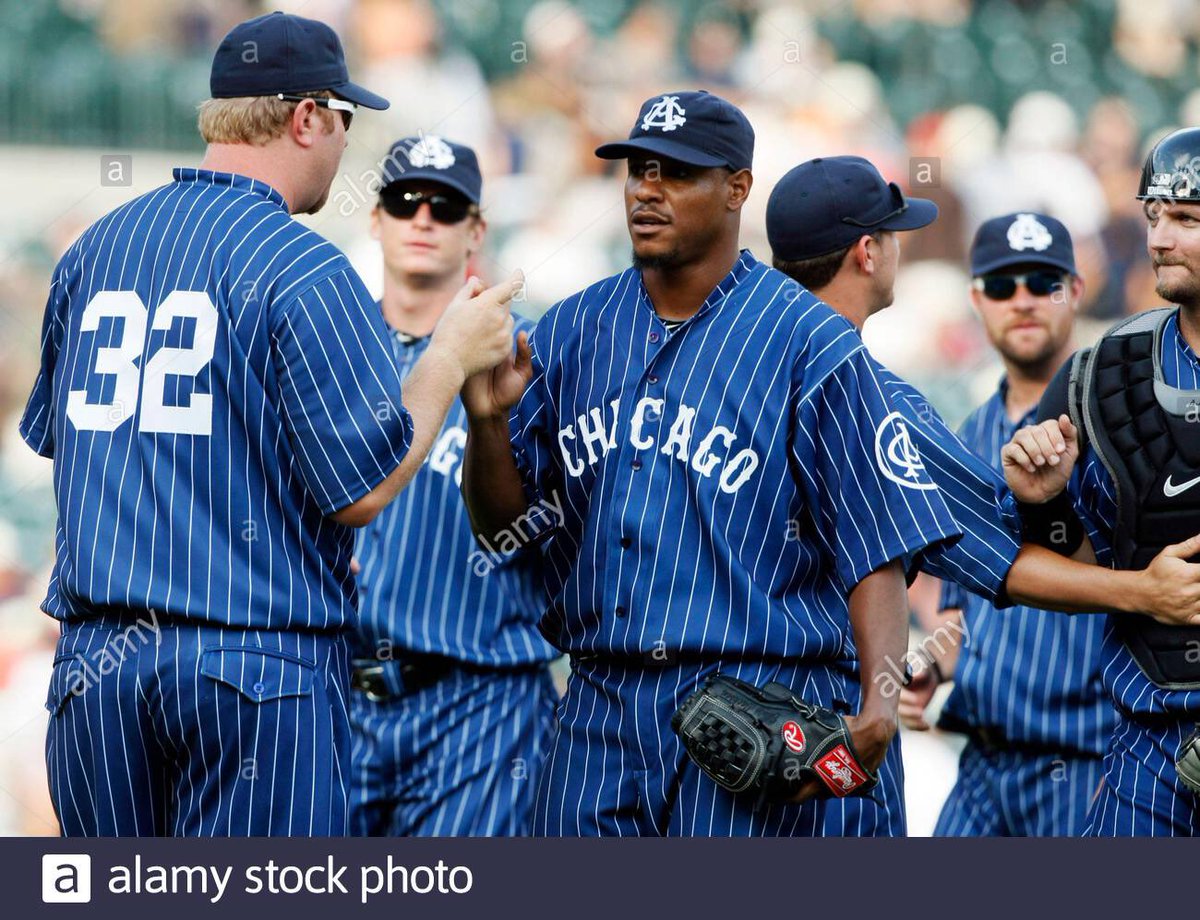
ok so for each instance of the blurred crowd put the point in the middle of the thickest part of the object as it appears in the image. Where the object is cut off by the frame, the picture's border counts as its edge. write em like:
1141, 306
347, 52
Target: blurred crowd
987, 107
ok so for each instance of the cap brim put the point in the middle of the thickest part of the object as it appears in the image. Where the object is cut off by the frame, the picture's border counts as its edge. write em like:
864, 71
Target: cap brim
620, 150
352, 92
921, 212
433, 175
1021, 258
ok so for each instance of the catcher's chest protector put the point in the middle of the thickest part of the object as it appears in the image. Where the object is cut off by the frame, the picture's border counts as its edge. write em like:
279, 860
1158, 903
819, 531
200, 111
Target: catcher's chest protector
1147, 435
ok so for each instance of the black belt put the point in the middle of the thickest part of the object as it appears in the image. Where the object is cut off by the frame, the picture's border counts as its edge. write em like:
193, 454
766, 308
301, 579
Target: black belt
385, 680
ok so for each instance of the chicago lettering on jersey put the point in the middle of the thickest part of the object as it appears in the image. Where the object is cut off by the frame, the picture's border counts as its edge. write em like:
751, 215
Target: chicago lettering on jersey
584, 442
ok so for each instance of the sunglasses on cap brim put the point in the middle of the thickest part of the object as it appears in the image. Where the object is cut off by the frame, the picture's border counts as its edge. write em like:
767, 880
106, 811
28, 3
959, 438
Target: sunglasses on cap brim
341, 106
899, 206
443, 208
1004, 287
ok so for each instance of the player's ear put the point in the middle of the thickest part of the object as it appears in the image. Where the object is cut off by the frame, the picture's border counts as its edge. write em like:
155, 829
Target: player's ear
738, 188
304, 124
1077, 288
863, 256
374, 228
976, 300
475, 233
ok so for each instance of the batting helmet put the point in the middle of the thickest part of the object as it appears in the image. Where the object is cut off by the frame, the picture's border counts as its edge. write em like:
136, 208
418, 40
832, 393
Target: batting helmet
1172, 169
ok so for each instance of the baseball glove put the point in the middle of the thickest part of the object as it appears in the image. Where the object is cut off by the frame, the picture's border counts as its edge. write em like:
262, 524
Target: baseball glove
767, 742
1187, 764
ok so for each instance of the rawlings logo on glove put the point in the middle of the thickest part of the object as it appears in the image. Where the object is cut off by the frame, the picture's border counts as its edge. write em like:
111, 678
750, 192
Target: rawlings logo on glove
767, 742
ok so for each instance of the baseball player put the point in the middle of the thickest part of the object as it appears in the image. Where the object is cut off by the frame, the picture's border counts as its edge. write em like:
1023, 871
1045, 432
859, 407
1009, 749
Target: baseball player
453, 699
1128, 406
1027, 689
832, 225
219, 396
710, 437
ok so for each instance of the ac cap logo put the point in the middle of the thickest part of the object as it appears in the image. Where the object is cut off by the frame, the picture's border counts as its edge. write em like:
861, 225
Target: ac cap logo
1027, 232
431, 151
66, 878
897, 456
666, 114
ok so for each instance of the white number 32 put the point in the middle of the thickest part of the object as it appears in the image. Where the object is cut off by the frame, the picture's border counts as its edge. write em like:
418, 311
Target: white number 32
119, 361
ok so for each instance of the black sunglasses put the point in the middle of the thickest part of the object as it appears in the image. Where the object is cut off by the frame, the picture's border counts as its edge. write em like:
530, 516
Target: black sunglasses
445, 209
1003, 287
341, 106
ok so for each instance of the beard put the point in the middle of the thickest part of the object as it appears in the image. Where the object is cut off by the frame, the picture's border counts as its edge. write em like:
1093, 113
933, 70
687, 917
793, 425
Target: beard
1031, 360
1185, 291
672, 258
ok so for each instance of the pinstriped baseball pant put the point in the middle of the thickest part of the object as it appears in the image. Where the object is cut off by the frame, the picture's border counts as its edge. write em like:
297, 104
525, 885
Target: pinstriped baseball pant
1013, 793
616, 768
460, 757
1142, 795
195, 730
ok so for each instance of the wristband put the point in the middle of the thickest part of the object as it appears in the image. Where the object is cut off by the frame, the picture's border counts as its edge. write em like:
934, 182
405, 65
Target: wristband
1053, 524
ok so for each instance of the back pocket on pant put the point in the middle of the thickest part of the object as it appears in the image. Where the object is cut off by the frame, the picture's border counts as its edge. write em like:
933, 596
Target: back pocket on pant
258, 674
69, 677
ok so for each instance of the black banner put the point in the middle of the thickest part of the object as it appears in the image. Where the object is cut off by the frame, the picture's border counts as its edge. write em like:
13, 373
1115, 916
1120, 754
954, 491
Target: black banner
575, 879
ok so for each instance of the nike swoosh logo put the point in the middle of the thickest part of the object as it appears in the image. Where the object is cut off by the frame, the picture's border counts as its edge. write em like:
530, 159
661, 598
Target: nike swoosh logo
1171, 490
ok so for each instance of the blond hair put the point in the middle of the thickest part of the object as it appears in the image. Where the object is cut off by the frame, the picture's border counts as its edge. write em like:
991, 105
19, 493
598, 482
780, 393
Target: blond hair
255, 120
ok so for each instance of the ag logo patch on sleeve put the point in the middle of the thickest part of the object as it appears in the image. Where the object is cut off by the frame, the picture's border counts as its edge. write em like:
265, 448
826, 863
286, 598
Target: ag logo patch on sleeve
897, 456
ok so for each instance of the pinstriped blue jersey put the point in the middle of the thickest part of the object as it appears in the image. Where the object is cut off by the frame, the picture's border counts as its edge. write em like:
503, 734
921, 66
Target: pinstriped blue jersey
215, 381
426, 585
1096, 500
723, 486
974, 492
1032, 675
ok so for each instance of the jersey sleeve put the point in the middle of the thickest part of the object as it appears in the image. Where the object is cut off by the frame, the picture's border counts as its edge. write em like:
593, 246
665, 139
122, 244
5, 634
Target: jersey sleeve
1095, 501
871, 497
37, 422
532, 428
952, 597
340, 390
974, 494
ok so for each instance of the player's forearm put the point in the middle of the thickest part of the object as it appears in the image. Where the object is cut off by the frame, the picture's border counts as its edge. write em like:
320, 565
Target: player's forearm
491, 482
429, 391
1041, 578
879, 619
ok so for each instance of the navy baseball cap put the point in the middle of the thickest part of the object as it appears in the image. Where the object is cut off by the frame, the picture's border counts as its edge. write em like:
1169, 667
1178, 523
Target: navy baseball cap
692, 127
282, 53
826, 204
1021, 239
431, 158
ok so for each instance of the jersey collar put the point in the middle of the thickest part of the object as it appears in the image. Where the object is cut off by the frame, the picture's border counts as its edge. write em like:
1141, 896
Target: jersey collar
1000, 397
1181, 346
184, 174
745, 264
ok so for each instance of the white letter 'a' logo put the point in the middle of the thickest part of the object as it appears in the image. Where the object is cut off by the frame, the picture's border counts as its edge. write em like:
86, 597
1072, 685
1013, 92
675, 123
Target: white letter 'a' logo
666, 114
897, 456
